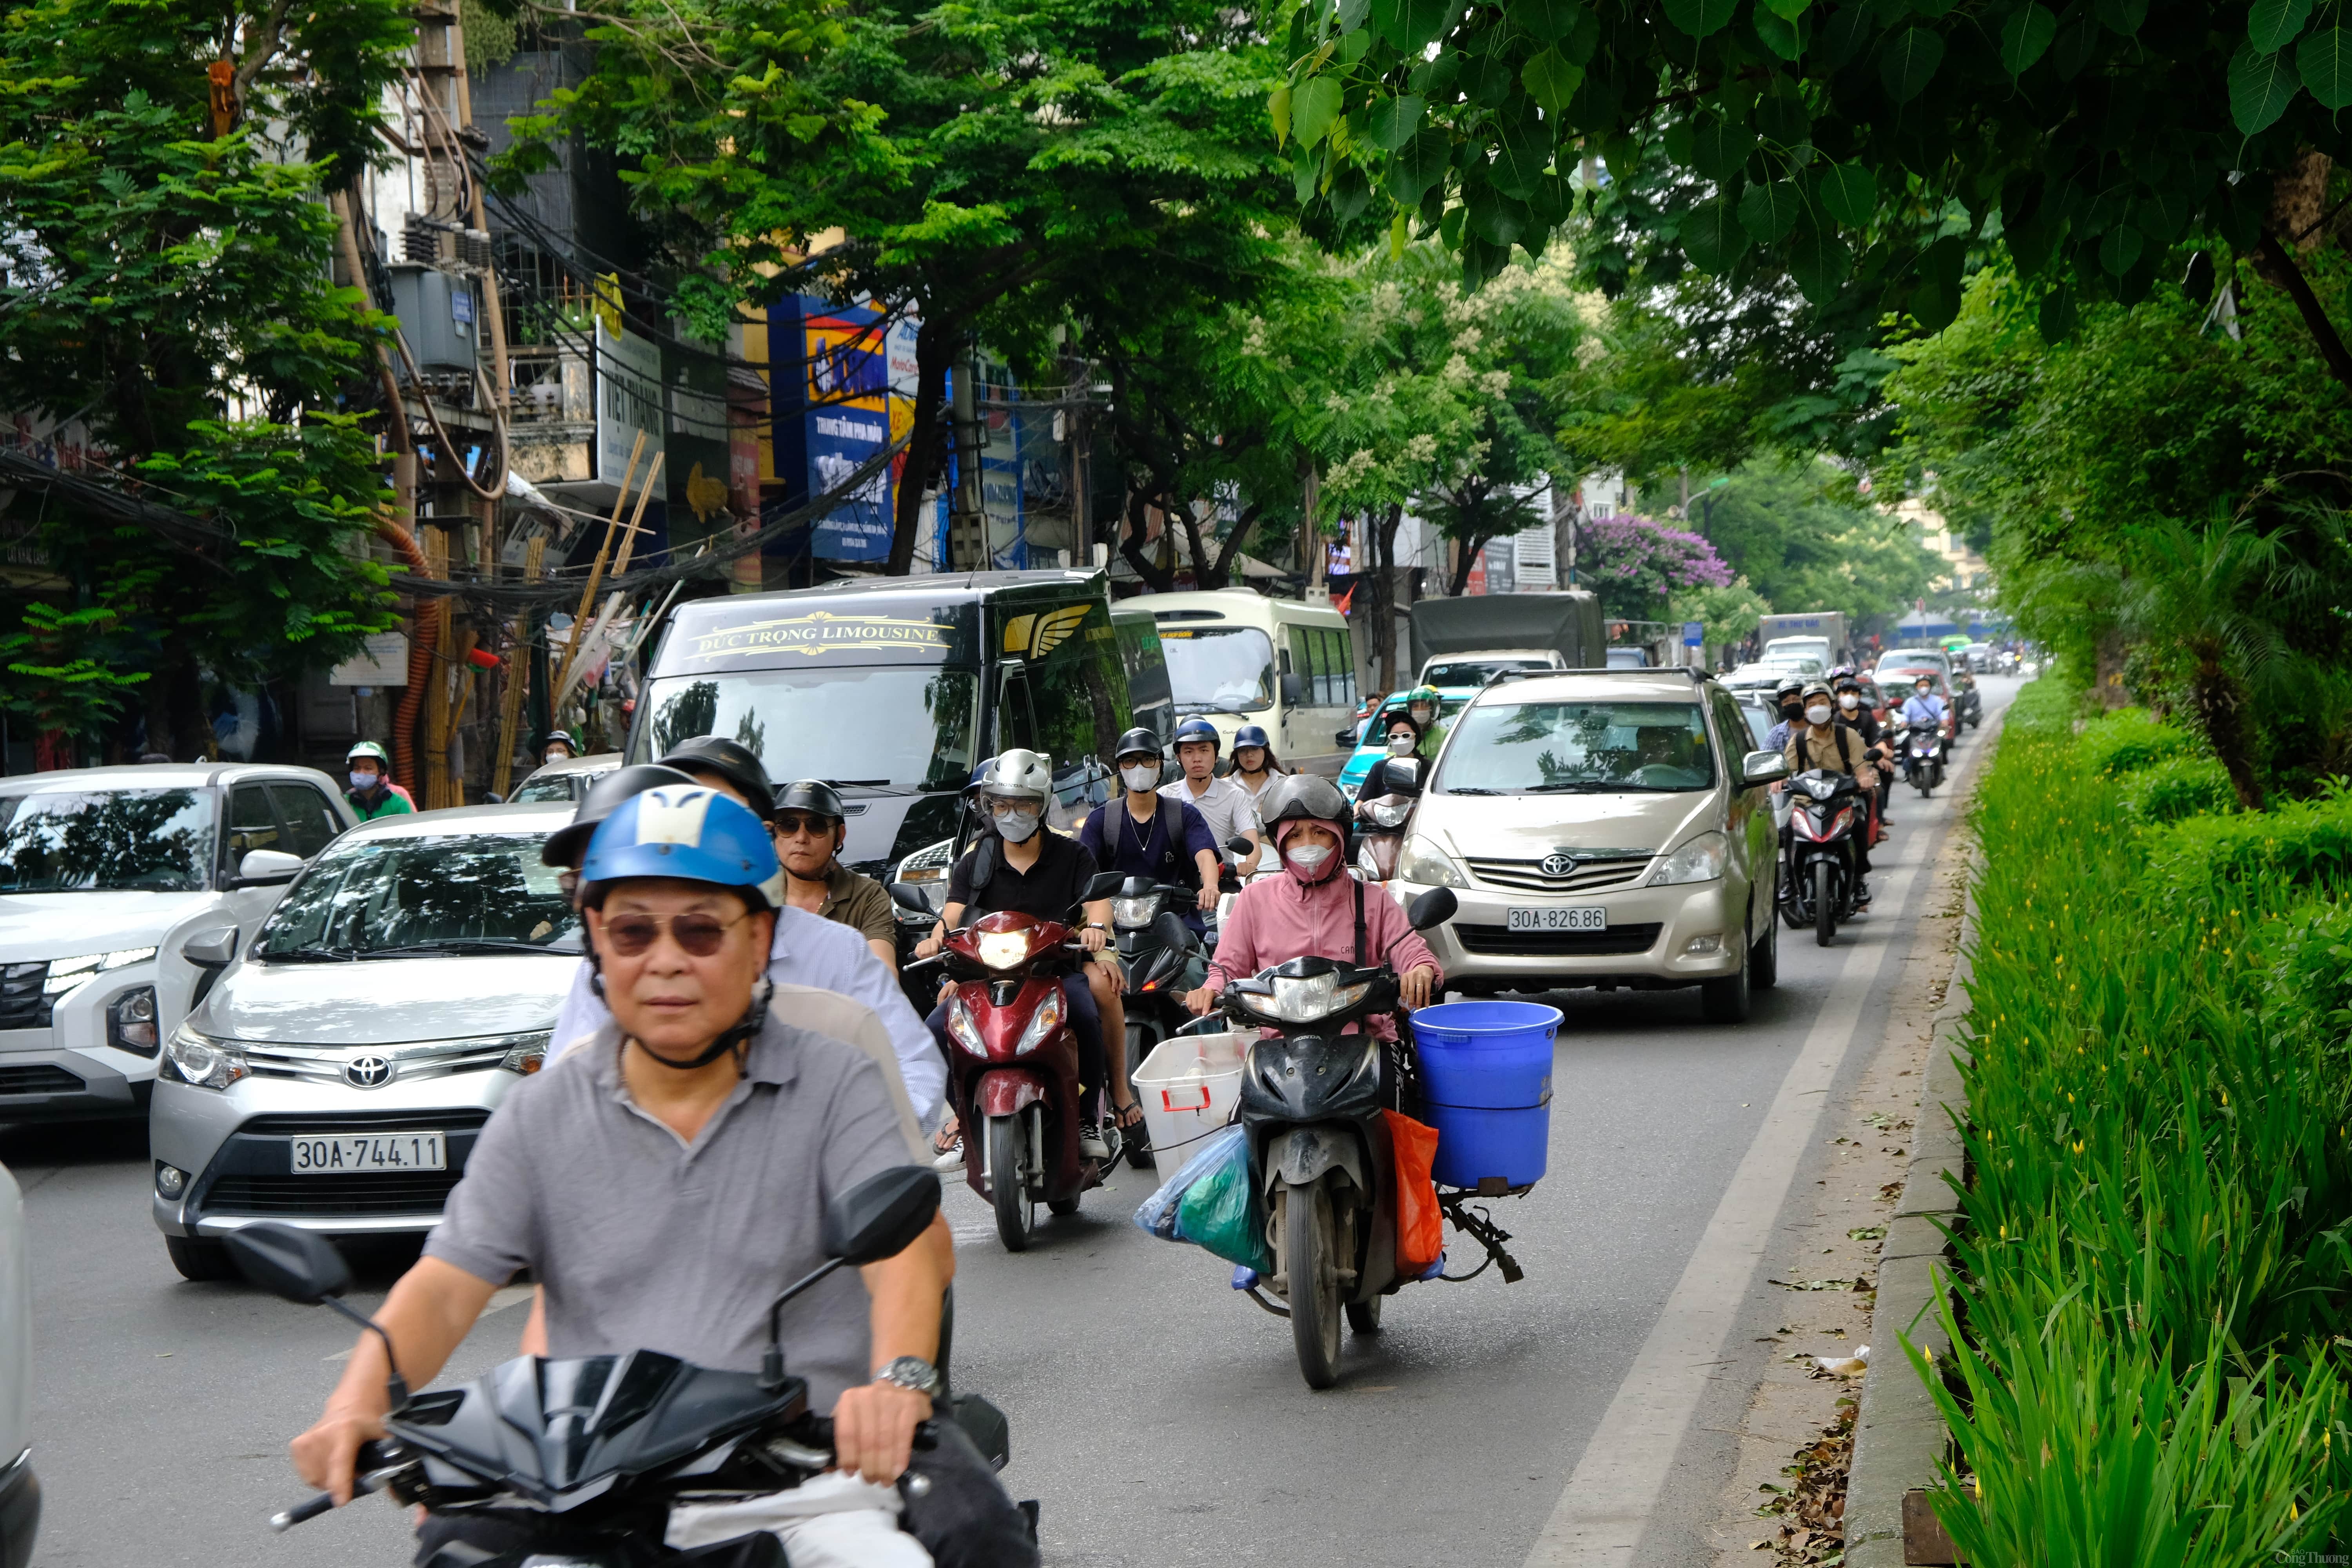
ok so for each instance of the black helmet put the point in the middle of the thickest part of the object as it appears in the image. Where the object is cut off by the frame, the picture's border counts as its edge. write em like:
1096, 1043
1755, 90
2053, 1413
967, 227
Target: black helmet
1308, 797
1137, 741
732, 761
813, 795
569, 843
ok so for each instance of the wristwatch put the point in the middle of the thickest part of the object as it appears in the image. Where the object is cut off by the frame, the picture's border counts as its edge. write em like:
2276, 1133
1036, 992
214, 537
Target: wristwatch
912, 1371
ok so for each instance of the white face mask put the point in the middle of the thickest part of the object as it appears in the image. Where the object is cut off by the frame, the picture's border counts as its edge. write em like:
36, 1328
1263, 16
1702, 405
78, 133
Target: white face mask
1140, 777
1309, 857
1819, 713
1015, 826
1849, 702
1399, 745
364, 781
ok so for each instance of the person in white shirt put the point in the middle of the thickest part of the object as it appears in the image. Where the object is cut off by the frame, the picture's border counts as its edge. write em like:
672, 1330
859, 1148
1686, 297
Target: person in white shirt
1228, 808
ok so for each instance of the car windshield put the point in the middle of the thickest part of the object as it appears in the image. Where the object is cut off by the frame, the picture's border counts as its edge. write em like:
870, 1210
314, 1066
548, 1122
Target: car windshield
549, 787
1219, 669
98, 841
1564, 748
1475, 671
896, 726
483, 893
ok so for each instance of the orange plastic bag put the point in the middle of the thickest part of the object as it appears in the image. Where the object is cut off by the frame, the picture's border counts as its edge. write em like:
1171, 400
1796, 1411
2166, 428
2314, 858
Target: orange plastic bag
1421, 1224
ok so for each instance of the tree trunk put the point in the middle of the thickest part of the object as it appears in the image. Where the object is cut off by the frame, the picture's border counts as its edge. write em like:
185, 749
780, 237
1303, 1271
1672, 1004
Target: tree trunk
935, 343
1243, 526
1131, 542
1467, 561
2274, 260
1206, 573
2213, 693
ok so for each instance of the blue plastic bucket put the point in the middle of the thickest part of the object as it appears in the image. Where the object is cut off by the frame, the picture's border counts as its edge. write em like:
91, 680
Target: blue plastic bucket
1485, 1071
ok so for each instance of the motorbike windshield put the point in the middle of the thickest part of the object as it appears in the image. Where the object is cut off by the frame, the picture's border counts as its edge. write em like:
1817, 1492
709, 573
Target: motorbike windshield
1566, 748
908, 727
1219, 669
94, 841
484, 893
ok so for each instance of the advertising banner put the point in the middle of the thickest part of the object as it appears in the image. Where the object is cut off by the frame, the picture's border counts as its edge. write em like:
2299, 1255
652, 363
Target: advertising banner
628, 400
832, 417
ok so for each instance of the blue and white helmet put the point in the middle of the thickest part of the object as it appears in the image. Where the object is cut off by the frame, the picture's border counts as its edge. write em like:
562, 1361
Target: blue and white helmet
693, 833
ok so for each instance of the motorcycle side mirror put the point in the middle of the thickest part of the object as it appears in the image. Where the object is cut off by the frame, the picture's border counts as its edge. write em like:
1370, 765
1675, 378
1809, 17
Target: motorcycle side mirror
1104, 884
1240, 844
304, 1268
879, 1217
1434, 907
906, 899
1169, 930
1404, 776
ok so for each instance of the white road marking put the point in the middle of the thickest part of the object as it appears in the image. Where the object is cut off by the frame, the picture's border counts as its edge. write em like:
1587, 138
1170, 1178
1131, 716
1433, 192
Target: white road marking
1607, 1504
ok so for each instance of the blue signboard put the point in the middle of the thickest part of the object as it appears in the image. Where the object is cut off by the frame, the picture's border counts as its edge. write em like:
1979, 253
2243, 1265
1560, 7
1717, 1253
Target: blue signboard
830, 389
1694, 633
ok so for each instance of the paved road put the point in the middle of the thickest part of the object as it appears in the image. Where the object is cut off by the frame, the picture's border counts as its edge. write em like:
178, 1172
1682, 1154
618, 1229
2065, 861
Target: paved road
1157, 1416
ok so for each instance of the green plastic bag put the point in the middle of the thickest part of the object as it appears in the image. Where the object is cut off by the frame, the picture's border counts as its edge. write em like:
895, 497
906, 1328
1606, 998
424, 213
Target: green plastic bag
1222, 1211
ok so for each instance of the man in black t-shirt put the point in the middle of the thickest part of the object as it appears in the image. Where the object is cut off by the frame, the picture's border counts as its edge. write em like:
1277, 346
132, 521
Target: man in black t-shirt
1020, 866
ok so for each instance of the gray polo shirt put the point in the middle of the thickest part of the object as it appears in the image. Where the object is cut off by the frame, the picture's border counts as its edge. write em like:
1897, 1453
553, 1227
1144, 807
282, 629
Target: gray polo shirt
644, 1241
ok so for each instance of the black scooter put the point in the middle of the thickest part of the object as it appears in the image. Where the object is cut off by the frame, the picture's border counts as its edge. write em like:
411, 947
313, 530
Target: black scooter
1163, 960
1822, 880
1923, 758
593, 1451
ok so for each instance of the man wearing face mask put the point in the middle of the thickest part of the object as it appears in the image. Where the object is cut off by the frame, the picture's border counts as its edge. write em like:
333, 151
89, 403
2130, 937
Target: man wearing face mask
1855, 712
1820, 740
1317, 910
373, 794
1790, 700
1151, 835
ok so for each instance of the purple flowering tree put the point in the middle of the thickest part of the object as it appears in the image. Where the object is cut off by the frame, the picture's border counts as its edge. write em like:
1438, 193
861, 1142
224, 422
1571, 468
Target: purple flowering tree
1637, 565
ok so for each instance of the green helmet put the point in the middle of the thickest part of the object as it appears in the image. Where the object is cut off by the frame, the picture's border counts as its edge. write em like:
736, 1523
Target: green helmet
1422, 694
371, 750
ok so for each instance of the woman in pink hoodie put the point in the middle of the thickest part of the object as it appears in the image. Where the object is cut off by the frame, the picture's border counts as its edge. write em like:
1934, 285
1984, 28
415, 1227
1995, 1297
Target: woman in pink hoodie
1310, 911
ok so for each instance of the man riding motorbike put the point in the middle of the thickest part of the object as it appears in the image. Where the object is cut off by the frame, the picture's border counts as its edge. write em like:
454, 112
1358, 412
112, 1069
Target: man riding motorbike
373, 794
1317, 910
1923, 708
1229, 810
665, 1182
1788, 698
811, 823
1820, 740
1020, 866
1147, 834
1422, 705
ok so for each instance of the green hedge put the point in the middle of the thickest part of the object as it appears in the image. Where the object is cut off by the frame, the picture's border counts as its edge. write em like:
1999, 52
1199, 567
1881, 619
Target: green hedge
2154, 1255
2296, 847
2127, 740
2175, 788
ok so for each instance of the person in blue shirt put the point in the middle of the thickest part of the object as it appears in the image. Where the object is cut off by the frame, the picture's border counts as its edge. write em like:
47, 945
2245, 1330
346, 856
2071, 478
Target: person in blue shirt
1923, 706
1786, 698
1147, 834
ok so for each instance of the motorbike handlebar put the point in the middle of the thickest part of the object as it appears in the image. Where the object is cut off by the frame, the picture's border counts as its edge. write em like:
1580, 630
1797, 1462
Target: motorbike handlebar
370, 1467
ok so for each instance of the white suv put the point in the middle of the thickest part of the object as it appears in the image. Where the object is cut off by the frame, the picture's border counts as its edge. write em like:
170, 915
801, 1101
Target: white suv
1603, 828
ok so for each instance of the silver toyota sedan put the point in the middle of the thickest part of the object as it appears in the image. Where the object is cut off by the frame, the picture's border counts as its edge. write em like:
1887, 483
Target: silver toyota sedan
337, 1074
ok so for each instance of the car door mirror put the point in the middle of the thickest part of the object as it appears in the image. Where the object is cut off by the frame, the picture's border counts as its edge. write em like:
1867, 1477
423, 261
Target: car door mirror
1346, 736
1294, 690
1763, 768
1434, 907
906, 899
212, 948
882, 1216
298, 1266
265, 869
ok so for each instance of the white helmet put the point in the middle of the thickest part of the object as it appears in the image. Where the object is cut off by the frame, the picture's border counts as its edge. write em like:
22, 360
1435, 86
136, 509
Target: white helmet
1018, 774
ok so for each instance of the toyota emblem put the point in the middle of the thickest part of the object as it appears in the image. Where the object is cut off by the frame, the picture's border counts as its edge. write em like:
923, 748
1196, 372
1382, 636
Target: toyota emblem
368, 1071
1557, 865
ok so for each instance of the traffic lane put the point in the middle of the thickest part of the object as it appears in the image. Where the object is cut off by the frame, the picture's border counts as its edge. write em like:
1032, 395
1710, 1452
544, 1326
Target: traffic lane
1159, 1416
161, 1409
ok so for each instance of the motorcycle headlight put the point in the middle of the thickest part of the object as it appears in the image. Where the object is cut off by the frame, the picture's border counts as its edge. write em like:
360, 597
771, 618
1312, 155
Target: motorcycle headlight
1134, 912
1700, 860
1425, 863
1004, 949
1041, 1024
205, 1064
1820, 789
1303, 1000
1387, 813
962, 1029
527, 1054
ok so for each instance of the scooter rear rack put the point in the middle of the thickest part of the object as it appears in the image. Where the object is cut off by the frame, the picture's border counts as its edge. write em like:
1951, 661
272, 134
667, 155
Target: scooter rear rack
1479, 1225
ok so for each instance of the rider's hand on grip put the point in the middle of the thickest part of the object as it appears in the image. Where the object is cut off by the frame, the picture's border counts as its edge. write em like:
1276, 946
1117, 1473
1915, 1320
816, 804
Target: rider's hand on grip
327, 1455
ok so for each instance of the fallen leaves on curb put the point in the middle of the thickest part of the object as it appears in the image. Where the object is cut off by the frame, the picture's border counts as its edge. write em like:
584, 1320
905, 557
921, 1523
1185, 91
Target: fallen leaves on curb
1812, 1509
1855, 1284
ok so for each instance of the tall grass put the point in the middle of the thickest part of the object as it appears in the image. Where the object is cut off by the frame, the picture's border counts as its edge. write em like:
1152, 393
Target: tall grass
2154, 1253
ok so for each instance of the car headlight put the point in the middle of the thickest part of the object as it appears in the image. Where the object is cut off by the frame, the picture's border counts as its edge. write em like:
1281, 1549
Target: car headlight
1041, 1024
1387, 813
200, 1062
130, 1021
528, 1054
962, 1029
70, 974
1700, 860
1004, 949
1134, 912
1425, 863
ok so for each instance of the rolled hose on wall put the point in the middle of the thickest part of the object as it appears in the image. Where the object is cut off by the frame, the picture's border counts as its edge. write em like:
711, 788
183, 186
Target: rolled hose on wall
420, 655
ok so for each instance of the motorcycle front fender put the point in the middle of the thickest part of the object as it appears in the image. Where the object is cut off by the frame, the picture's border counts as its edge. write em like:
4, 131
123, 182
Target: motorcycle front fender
1301, 1155
1008, 1091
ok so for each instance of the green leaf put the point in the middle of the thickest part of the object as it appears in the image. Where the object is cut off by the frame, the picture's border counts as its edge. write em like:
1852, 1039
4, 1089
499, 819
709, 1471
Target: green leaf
2326, 62
1352, 13
1412, 26
1768, 212
2056, 316
2122, 16
1787, 10
1419, 164
1392, 123
1851, 193
1551, 80
1720, 150
1521, 153
2272, 25
1584, 37
1701, 18
1783, 37
1712, 238
1819, 262
2261, 87
2119, 248
1277, 109
1549, 21
2025, 38
1350, 194
1313, 108
1909, 61
1497, 218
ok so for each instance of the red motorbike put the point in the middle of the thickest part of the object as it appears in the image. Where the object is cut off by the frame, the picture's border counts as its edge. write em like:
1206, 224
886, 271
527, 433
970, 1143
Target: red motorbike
1014, 1075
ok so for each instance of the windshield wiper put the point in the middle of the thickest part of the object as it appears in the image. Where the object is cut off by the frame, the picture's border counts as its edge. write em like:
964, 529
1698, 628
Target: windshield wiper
464, 944
305, 955
1470, 789
884, 785
1577, 786
1210, 708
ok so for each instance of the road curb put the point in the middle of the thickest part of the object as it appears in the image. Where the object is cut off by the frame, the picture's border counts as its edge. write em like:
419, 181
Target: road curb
1898, 1434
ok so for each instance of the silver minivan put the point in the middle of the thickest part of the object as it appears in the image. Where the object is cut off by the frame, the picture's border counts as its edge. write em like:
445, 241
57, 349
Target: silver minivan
336, 1076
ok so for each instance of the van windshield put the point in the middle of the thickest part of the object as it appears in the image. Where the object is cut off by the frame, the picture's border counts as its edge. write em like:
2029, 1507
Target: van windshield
908, 727
1577, 748
1219, 669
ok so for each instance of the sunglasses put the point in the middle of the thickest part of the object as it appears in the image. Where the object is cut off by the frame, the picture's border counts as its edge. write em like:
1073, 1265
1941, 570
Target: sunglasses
699, 934
790, 823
